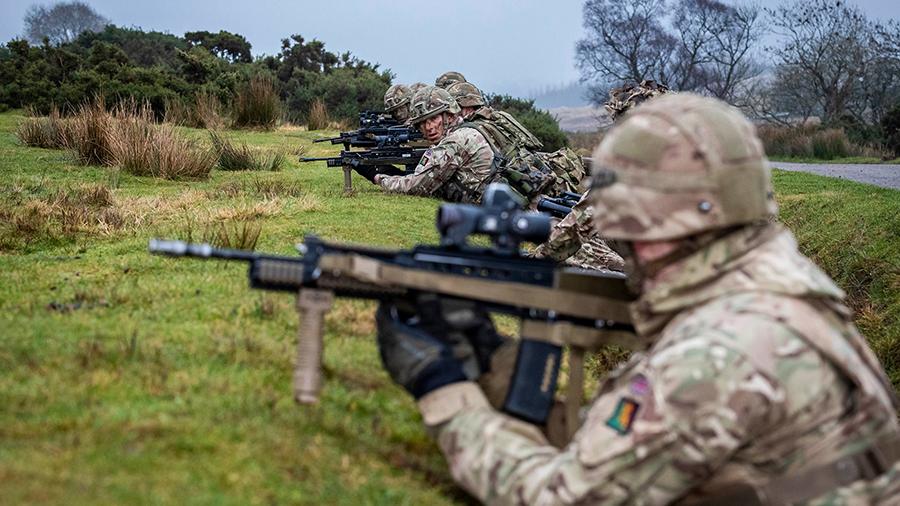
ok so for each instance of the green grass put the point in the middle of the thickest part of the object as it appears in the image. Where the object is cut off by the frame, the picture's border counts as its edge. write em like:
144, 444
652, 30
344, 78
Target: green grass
845, 160
128, 378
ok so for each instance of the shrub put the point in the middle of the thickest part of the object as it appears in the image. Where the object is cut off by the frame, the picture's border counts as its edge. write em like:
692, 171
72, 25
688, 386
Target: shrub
257, 104
242, 157
890, 127
43, 132
318, 116
830, 144
809, 141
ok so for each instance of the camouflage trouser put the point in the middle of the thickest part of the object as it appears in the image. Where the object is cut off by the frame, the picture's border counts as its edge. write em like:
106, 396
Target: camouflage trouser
575, 242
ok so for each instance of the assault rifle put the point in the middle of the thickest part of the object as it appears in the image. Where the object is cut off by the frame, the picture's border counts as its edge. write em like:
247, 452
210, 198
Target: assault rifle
557, 305
373, 161
375, 137
558, 206
368, 119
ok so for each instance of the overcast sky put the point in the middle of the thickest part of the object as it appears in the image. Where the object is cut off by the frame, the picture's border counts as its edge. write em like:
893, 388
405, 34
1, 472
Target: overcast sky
510, 46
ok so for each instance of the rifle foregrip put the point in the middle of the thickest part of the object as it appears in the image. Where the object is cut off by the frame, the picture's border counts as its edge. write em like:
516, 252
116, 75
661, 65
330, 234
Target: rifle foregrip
312, 305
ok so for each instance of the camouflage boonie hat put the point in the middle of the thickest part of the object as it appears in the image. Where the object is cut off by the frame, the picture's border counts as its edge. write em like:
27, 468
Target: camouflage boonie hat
396, 97
623, 98
466, 95
429, 102
677, 166
447, 79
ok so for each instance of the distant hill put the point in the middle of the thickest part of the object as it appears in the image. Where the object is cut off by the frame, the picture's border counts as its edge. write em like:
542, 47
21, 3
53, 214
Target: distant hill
565, 95
586, 118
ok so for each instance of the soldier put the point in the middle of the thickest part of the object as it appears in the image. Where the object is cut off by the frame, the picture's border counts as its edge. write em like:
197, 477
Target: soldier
448, 78
755, 388
574, 240
459, 167
414, 87
396, 102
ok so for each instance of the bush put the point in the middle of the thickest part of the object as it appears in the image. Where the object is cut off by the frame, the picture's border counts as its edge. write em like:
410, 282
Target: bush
890, 127
541, 123
257, 104
318, 116
809, 141
243, 157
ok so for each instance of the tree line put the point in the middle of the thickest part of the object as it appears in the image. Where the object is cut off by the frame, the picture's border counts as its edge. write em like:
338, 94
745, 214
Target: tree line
786, 64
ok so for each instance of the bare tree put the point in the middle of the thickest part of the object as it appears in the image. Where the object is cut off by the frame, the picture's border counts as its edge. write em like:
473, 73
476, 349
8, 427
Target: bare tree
625, 41
708, 47
828, 48
61, 23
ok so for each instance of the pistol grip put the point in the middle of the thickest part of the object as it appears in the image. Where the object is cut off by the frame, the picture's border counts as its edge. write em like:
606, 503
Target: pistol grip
312, 305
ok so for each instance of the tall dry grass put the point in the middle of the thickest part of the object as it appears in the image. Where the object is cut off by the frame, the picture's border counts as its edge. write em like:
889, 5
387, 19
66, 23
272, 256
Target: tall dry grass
812, 141
43, 132
318, 116
205, 111
240, 156
257, 105
128, 137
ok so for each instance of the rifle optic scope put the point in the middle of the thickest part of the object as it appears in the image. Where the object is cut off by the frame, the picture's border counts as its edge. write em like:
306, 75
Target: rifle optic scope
499, 216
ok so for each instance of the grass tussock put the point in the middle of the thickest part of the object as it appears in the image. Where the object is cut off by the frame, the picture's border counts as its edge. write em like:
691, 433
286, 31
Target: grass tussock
61, 215
813, 142
128, 137
232, 232
240, 156
205, 111
256, 188
257, 105
47, 132
318, 116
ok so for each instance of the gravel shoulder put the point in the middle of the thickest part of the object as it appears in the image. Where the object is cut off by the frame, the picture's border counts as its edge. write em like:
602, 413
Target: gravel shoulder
885, 176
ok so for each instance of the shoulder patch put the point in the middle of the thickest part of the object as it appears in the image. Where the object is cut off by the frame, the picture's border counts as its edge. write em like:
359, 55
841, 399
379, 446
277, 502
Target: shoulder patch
426, 157
623, 416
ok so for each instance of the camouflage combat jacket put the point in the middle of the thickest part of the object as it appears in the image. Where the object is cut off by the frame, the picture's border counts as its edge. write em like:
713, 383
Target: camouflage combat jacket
457, 169
755, 372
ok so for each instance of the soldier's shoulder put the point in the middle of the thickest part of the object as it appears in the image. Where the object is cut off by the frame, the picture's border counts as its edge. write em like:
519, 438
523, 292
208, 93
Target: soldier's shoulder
465, 135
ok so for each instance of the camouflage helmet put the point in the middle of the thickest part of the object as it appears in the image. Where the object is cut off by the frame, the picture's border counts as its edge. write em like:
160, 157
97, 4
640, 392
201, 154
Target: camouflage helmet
396, 97
625, 97
678, 166
466, 94
448, 78
431, 101
414, 87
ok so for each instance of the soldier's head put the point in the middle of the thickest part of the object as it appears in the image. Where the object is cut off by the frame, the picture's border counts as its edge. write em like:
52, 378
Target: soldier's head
468, 97
624, 98
675, 174
432, 110
449, 78
396, 102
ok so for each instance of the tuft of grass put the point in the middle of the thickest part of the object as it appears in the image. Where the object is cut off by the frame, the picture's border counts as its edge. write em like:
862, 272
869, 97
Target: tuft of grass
90, 133
257, 105
318, 116
48, 132
239, 156
204, 112
145, 149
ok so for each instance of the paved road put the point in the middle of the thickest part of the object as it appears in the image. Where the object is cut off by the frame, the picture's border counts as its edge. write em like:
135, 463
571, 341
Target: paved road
885, 176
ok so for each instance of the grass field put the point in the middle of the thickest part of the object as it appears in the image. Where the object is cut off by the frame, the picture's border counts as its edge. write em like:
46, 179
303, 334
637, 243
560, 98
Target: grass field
131, 378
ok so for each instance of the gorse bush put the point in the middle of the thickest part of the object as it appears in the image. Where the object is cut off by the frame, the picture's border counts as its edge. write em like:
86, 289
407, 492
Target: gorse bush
318, 116
257, 105
232, 156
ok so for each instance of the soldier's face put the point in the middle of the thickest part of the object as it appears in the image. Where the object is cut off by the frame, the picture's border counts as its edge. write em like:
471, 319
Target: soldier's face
433, 128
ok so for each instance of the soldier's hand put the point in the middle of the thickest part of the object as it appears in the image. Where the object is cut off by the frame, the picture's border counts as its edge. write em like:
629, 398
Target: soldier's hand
370, 173
414, 334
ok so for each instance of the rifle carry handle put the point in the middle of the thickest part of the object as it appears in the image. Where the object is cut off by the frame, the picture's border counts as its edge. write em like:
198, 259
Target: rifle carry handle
312, 305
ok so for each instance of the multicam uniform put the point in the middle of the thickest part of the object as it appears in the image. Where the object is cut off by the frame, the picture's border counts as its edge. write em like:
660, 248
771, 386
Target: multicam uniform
574, 241
457, 169
756, 372
756, 388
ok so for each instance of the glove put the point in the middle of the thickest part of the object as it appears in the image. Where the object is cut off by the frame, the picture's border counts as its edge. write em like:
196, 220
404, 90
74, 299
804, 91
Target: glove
366, 171
428, 342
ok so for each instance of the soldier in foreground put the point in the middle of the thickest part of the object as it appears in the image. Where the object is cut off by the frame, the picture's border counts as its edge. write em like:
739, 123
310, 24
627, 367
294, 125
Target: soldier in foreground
461, 164
755, 386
